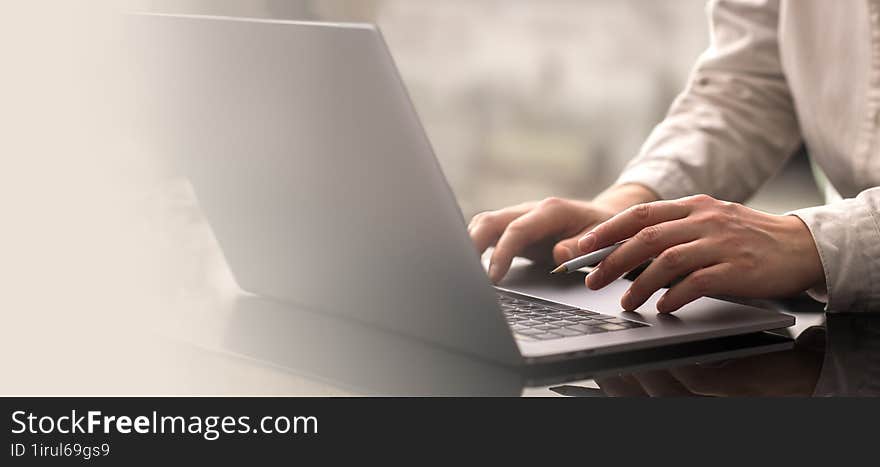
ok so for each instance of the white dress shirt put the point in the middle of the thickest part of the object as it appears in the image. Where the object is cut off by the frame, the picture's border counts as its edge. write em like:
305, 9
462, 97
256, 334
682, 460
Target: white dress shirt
778, 74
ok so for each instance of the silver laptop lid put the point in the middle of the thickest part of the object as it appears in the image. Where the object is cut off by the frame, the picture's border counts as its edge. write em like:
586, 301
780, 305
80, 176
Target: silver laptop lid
311, 165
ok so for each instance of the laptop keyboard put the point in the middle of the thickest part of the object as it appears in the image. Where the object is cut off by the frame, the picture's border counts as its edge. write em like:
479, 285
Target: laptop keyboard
535, 319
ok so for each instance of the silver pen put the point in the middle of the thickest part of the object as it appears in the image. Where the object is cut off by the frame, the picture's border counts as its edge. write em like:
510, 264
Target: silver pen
588, 259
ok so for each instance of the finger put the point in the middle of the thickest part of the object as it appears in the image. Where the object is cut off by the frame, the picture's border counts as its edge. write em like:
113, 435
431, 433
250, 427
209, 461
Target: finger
631, 221
509, 213
700, 283
536, 225
566, 250
675, 262
646, 244
485, 228
485, 235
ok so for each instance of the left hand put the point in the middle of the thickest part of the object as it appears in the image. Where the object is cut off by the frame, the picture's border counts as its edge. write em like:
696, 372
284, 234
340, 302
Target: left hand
719, 248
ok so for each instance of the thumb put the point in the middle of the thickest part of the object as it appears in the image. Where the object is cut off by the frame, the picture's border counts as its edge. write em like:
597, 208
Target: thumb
566, 249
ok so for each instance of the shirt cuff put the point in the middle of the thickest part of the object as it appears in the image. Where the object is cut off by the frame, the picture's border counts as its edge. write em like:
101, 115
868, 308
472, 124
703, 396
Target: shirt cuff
661, 176
847, 237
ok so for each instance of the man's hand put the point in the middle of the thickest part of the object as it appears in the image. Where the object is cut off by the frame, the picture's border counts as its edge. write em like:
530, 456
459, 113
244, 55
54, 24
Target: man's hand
719, 248
547, 229
534, 230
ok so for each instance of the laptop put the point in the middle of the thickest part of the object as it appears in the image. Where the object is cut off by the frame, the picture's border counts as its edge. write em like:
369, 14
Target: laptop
294, 340
319, 182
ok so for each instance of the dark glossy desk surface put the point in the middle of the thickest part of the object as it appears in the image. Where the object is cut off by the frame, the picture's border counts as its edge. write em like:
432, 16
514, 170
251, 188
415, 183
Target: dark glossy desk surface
263, 347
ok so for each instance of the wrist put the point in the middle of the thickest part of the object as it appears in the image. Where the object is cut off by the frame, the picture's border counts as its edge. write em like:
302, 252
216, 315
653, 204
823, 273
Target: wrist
806, 253
621, 197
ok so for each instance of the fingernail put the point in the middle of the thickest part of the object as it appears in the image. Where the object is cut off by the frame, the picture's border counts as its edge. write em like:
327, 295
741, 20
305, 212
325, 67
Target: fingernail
594, 278
570, 254
626, 301
661, 304
587, 242
493, 271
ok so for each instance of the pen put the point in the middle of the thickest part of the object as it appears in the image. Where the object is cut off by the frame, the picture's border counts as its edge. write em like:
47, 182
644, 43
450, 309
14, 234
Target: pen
588, 259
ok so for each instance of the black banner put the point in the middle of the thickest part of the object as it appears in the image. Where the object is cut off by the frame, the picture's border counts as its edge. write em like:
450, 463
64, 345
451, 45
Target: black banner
154, 430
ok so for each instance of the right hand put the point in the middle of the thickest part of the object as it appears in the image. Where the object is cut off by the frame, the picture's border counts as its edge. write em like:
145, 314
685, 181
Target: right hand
535, 230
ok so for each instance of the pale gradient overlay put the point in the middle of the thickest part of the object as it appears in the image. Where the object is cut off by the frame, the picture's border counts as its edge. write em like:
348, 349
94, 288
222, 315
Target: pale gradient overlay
111, 280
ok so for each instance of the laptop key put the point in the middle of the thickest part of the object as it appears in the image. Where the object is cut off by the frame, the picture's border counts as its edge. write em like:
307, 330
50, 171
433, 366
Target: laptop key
565, 332
588, 321
529, 323
547, 320
602, 318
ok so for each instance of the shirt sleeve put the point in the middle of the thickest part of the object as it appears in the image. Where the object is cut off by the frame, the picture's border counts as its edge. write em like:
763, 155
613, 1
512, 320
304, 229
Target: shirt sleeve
847, 236
734, 125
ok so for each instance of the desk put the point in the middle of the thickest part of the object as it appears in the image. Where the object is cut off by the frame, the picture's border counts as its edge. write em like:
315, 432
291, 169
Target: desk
243, 344
207, 341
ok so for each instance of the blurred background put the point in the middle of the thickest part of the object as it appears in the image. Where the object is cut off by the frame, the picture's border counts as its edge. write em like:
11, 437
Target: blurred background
524, 99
